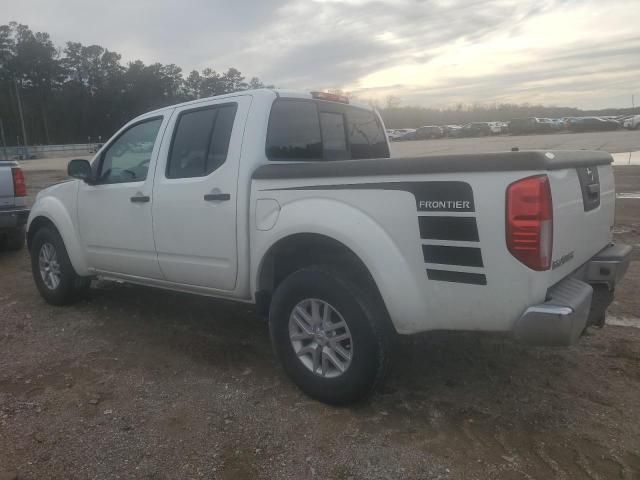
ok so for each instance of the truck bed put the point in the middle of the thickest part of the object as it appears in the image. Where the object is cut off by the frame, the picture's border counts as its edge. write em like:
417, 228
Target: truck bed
443, 218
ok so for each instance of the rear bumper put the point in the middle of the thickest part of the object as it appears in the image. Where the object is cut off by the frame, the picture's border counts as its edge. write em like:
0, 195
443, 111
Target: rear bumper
575, 302
609, 266
14, 217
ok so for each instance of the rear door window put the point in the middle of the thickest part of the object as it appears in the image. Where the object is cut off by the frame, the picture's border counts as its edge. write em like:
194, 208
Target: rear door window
200, 141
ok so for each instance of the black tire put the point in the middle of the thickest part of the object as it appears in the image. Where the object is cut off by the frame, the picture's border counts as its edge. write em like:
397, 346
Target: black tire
71, 287
15, 239
367, 322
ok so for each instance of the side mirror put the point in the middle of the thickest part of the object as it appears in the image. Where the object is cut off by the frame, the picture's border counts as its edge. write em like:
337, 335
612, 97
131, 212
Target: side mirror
80, 169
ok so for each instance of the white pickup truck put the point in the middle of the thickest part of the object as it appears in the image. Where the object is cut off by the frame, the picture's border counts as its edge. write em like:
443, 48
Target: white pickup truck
13, 208
289, 201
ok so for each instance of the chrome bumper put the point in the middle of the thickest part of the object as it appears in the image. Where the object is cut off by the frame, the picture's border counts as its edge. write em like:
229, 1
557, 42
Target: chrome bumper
571, 305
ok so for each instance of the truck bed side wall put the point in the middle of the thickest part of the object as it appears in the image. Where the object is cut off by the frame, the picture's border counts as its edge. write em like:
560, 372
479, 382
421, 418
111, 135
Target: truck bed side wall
437, 265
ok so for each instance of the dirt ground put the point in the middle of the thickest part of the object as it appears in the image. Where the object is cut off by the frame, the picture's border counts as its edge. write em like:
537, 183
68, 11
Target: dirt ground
138, 383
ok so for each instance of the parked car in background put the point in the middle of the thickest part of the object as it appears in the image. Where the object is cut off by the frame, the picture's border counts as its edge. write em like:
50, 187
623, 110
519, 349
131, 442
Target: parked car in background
592, 124
522, 126
393, 134
407, 134
429, 131
558, 123
13, 209
452, 130
518, 126
632, 123
475, 129
496, 127
548, 124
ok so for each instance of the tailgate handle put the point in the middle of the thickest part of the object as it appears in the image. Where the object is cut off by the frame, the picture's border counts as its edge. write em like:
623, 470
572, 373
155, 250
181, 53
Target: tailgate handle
593, 189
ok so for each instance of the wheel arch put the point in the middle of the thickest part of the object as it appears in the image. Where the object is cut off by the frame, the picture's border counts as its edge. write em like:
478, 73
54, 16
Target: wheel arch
303, 249
49, 212
36, 224
389, 258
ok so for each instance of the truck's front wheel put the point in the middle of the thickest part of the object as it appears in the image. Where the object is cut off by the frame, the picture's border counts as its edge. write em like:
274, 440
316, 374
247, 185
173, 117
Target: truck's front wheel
329, 335
52, 271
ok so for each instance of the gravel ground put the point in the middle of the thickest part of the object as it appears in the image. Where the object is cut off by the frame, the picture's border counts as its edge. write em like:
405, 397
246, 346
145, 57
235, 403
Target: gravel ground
138, 383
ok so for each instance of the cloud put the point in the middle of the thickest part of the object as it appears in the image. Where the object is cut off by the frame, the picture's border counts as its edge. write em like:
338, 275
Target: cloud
427, 52
340, 42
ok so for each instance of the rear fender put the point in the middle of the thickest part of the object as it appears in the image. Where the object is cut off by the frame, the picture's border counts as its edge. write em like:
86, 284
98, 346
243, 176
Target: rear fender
366, 238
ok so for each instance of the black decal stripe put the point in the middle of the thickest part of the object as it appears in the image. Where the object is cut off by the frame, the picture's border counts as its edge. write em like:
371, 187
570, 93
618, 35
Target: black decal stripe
457, 277
463, 229
442, 196
445, 255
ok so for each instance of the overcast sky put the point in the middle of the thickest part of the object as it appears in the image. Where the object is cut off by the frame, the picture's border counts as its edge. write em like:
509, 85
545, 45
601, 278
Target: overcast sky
583, 53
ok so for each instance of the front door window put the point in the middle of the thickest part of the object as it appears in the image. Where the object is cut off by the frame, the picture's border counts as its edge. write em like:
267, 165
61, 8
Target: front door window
127, 158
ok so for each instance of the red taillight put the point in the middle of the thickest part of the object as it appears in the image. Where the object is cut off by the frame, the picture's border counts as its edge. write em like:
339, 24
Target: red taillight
530, 221
19, 187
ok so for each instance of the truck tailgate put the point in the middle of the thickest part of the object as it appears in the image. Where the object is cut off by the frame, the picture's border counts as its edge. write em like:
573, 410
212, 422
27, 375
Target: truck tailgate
583, 215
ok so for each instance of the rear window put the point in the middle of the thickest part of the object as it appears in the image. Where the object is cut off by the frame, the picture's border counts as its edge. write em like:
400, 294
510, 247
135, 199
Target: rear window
294, 132
365, 135
309, 130
334, 137
201, 141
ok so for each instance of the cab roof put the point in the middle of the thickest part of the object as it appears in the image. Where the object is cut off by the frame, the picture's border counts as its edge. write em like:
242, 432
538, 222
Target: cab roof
270, 92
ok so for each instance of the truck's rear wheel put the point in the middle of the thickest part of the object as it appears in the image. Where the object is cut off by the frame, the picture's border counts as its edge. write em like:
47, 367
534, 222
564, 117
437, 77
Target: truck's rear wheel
329, 335
52, 271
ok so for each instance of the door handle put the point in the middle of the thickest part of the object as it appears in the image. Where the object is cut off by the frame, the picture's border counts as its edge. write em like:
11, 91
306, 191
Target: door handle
140, 199
209, 197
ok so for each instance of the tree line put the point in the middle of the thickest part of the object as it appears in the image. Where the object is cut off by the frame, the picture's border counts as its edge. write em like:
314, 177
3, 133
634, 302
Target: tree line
80, 92
77, 92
